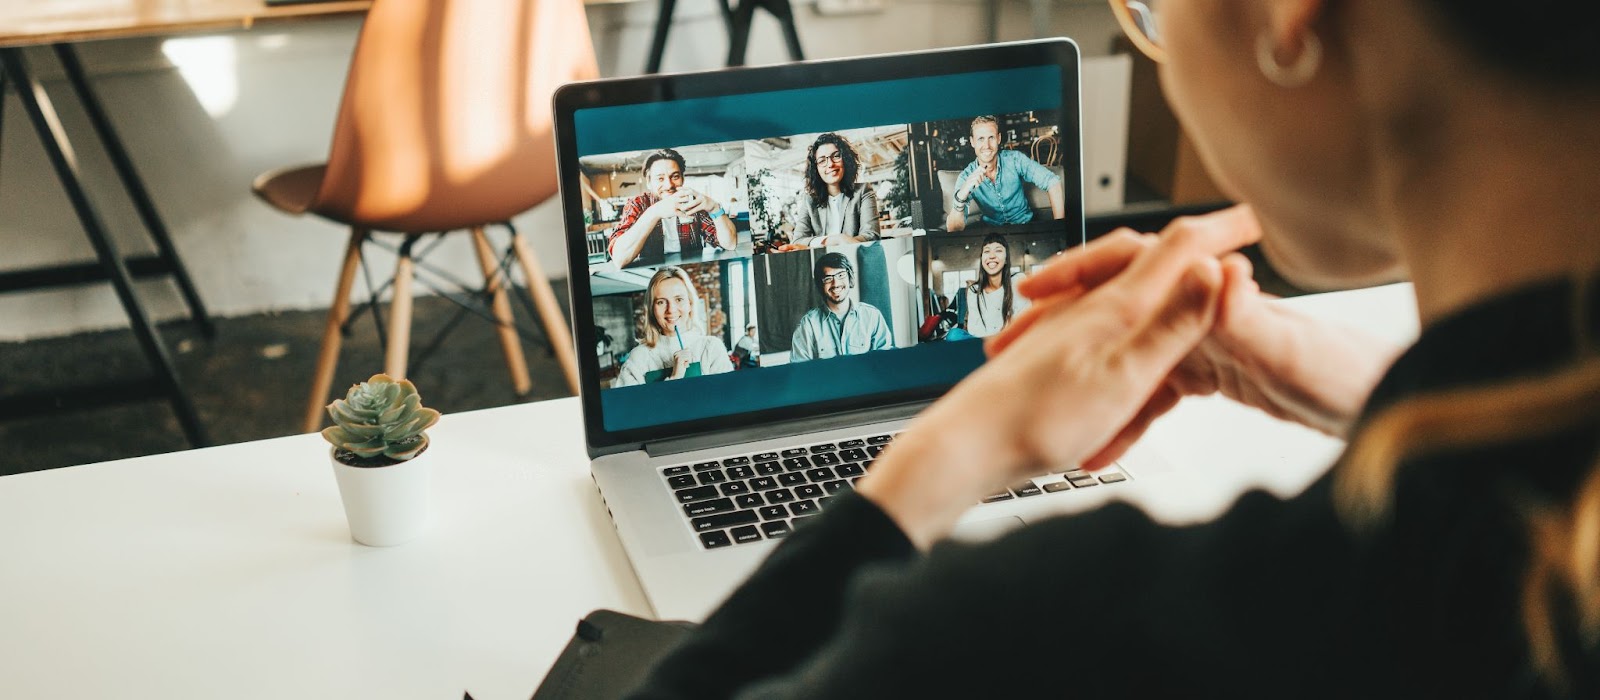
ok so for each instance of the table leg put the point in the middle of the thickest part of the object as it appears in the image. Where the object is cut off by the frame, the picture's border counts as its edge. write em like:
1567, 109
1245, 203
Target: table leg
134, 185
41, 112
658, 43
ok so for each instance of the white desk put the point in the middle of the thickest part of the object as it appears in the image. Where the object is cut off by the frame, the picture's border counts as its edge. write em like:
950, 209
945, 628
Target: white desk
229, 572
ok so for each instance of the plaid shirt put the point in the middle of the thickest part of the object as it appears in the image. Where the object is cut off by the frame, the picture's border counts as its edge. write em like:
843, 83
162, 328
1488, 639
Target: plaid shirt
686, 226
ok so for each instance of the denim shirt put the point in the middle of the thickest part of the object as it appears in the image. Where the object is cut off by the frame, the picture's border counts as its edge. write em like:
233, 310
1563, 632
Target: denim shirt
1004, 201
823, 334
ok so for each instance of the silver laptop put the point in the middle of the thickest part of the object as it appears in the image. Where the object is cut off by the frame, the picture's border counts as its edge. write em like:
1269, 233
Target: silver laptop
773, 268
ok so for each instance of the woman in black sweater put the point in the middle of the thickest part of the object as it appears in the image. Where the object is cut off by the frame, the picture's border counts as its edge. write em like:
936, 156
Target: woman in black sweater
1454, 551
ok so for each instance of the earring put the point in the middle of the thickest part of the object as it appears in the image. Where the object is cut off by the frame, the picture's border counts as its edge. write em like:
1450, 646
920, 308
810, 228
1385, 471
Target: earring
1295, 74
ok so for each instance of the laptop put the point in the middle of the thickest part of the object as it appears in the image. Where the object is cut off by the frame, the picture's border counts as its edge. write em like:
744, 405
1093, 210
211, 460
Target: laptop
776, 267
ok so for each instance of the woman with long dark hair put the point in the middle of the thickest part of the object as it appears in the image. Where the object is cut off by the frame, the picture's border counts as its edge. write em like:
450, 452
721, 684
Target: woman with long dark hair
987, 305
835, 208
1453, 551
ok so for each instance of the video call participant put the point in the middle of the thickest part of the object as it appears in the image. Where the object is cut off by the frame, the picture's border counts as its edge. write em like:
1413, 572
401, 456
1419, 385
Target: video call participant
668, 217
835, 209
987, 305
841, 326
748, 349
996, 182
672, 348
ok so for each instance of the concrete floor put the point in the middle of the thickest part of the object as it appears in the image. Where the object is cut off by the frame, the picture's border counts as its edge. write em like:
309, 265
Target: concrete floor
248, 383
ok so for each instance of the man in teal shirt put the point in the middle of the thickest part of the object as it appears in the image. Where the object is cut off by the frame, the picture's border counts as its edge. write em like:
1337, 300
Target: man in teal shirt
995, 182
841, 326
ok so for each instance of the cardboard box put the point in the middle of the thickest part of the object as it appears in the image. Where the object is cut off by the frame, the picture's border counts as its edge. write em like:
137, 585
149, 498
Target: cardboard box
1160, 155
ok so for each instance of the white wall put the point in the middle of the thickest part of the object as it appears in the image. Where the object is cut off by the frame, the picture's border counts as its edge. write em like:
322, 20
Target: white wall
203, 115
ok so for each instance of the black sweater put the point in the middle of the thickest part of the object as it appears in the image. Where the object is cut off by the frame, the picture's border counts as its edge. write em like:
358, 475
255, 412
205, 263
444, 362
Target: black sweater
1274, 598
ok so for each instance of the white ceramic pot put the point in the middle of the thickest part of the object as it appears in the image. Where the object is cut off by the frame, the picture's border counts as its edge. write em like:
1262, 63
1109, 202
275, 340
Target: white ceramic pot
389, 505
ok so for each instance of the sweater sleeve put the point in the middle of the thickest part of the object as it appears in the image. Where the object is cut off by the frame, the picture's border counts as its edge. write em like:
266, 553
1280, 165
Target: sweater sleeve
1105, 604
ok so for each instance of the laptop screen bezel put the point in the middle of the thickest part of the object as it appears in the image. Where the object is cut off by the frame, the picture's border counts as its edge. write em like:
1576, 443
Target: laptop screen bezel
658, 88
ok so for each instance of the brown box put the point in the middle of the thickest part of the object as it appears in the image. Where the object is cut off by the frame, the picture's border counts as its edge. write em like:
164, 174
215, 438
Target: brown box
1160, 155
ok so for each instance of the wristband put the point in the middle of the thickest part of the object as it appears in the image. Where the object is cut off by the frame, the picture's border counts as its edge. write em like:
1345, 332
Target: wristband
717, 213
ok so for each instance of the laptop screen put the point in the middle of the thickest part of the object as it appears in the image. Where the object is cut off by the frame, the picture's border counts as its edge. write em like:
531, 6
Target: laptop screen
836, 243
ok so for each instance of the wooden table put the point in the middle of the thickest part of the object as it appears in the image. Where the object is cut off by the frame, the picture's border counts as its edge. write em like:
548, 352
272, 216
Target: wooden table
58, 24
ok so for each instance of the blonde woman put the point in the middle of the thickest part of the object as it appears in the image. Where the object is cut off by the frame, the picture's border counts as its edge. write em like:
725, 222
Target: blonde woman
1453, 552
672, 347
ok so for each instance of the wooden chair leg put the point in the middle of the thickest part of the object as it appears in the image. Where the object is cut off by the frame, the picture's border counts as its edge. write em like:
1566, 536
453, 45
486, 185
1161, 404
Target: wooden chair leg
510, 344
398, 353
328, 356
544, 299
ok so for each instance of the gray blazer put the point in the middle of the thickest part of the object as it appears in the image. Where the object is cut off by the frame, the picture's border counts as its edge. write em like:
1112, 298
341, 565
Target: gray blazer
860, 216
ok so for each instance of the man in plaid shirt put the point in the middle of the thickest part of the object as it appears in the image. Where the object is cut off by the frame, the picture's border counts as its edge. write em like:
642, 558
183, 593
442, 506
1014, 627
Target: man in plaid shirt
687, 220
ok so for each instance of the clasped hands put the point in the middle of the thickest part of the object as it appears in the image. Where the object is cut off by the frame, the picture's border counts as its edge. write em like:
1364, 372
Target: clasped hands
684, 202
1120, 330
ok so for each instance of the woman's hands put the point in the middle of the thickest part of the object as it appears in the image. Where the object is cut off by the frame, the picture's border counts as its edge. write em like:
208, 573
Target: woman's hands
1061, 391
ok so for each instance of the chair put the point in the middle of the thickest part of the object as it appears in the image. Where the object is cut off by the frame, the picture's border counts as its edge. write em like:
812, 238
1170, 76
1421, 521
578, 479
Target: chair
445, 125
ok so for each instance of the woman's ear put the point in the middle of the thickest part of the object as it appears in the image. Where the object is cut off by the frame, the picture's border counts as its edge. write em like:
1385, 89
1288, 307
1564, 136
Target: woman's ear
1289, 22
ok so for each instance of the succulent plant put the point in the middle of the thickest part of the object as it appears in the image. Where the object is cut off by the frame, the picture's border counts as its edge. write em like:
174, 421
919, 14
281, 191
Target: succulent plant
380, 417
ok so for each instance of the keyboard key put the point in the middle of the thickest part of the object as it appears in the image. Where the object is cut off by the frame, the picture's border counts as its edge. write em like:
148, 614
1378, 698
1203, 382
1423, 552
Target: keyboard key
762, 483
1070, 473
712, 477
795, 452
795, 522
834, 486
1002, 496
1025, 490
748, 533
750, 500
850, 469
792, 479
768, 468
795, 464
868, 464
854, 479
780, 496
880, 439
825, 459
711, 507
740, 472
681, 481
823, 502
1113, 477
874, 450
800, 508
713, 540
1055, 486
773, 512
1083, 481
766, 457
808, 491
717, 522
734, 488
853, 455
852, 443
703, 466
698, 493
735, 461
674, 471
820, 474
824, 447
775, 529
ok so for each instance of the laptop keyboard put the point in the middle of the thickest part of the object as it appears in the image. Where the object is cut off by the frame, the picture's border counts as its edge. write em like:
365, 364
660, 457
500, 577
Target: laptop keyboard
765, 496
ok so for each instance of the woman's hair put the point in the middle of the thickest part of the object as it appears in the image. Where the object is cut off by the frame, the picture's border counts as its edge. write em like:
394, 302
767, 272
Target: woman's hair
814, 184
651, 334
1005, 279
1563, 574
1548, 41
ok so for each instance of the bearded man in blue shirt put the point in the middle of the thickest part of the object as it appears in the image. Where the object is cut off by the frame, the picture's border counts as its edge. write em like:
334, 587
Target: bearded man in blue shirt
995, 182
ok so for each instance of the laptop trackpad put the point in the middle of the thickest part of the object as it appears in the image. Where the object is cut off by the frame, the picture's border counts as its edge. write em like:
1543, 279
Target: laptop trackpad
985, 530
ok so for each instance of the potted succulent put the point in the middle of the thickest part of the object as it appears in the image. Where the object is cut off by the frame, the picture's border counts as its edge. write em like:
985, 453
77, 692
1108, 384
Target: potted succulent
378, 438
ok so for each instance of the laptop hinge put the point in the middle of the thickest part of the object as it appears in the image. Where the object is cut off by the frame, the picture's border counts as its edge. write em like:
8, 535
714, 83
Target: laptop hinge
801, 426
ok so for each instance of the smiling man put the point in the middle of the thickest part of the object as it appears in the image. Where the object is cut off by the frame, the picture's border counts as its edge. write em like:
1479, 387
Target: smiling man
686, 220
994, 182
841, 326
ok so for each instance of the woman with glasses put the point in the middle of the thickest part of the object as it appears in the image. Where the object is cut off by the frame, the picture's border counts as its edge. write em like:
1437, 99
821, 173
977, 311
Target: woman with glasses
1454, 549
834, 209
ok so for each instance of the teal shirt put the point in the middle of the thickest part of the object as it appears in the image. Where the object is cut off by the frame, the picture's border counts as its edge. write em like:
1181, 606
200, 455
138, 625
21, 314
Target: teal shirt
1003, 200
823, 334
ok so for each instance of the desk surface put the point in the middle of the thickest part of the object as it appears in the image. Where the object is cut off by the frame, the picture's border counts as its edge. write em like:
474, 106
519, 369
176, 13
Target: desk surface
229, 571
53, 21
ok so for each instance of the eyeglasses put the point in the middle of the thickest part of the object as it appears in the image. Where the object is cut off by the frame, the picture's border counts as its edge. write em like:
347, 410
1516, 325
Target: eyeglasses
834, 157
1139, 20
837, 278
